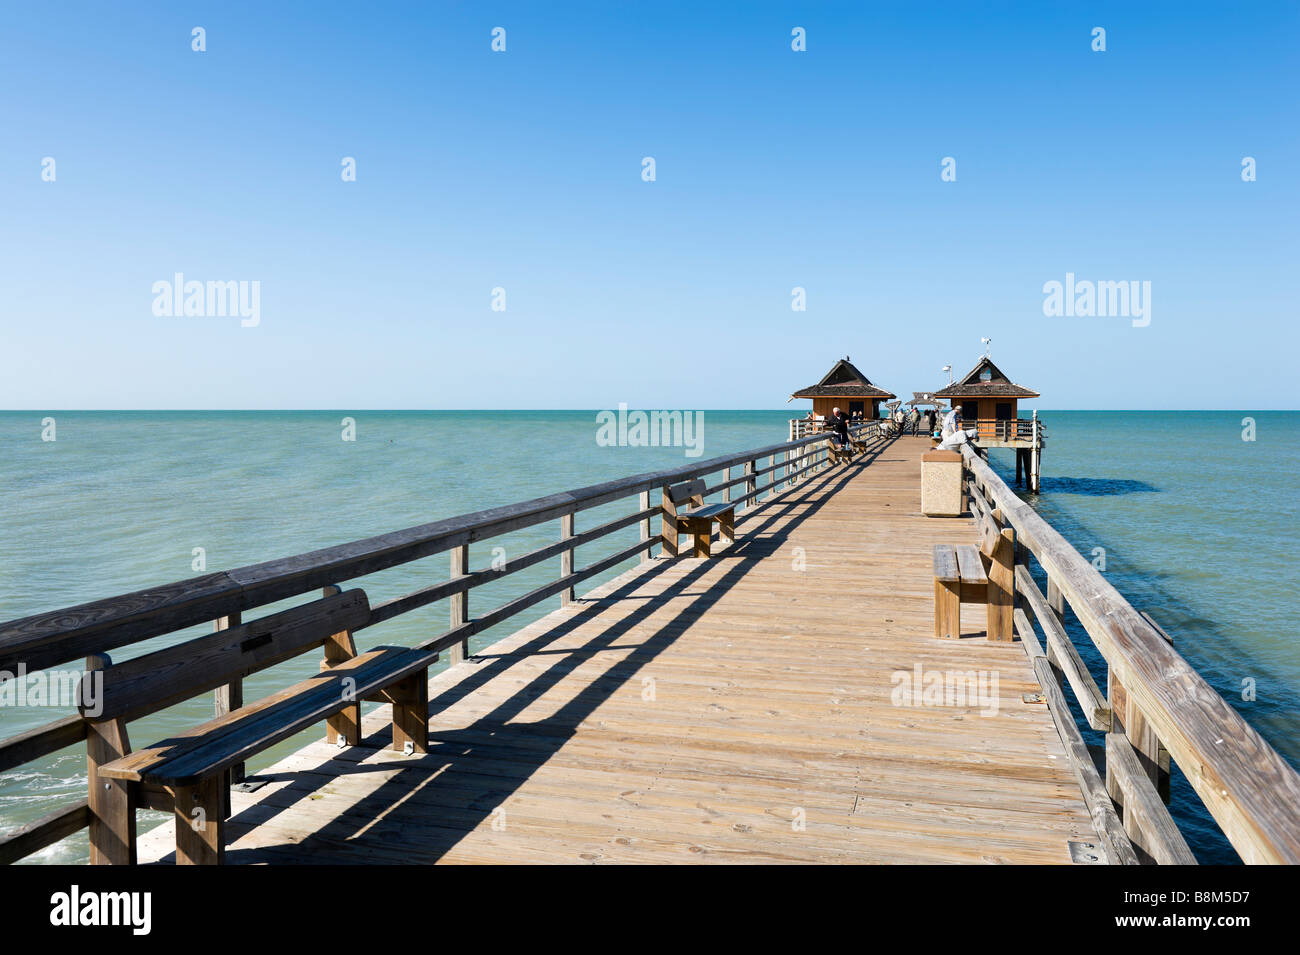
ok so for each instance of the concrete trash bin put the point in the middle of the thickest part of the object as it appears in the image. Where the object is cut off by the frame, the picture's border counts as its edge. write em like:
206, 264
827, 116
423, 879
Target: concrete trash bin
941, 484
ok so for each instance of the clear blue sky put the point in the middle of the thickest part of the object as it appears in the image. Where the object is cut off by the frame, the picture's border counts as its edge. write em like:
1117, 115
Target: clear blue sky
522, 170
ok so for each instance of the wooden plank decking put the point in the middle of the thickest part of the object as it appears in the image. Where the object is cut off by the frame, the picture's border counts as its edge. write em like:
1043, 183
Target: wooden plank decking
700, 710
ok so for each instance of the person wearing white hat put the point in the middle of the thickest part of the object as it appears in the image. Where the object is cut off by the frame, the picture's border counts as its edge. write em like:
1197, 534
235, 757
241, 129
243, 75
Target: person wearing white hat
953, 436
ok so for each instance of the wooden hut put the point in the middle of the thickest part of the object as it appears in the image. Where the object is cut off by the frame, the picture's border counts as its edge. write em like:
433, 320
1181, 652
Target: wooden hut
989, 401
844, 387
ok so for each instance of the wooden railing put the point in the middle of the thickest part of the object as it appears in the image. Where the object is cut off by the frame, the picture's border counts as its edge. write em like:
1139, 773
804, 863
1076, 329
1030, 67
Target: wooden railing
1156, 707
1006, 429
805, 427
89, 630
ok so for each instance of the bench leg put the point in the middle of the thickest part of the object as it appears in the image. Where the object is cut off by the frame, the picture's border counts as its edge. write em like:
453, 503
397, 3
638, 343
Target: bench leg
702, 541
1001, 607
727, 527
410, 700
947, 610
200, 825
345, 723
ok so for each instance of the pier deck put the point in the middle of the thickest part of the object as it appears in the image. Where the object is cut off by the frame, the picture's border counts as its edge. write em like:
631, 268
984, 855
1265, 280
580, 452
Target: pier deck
699, 711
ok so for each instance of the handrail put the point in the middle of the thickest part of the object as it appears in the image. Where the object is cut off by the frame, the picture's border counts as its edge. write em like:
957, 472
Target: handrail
1250, 790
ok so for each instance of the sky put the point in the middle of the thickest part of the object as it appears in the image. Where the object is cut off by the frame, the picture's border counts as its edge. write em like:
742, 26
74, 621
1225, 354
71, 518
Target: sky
523, 170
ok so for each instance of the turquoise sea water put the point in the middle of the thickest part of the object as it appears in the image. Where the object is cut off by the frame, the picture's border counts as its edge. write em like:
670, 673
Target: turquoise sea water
1198, 527
1196, 523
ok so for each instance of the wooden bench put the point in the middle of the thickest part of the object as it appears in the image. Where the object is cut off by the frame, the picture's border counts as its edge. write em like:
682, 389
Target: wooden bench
964, 574
696, 519
842, 455
189, 773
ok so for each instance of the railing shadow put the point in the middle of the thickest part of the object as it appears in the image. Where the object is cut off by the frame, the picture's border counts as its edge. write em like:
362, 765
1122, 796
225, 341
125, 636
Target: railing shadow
432, 802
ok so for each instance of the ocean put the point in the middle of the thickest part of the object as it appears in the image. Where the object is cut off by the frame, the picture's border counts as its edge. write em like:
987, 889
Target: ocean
1193, 523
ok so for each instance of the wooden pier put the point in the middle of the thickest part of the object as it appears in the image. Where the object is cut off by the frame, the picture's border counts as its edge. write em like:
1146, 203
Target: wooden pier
752, 706
691, 710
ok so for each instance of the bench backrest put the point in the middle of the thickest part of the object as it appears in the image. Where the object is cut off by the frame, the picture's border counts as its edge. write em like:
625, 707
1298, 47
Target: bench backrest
997, 544
989, 534
692, 491
157, 680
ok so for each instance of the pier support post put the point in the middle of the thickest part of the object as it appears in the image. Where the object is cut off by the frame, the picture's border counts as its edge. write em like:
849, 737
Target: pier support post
459, 602
1035, 454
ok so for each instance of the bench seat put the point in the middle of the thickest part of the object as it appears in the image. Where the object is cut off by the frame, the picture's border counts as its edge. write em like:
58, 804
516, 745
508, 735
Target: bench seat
209, 749
970, 566
707, 511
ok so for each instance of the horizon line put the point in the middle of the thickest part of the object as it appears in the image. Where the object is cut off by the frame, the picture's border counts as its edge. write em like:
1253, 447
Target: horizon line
486, 410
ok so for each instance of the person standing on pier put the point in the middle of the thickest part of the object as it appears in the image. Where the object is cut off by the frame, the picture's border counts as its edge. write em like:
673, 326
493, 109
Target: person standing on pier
839, 423
953, 436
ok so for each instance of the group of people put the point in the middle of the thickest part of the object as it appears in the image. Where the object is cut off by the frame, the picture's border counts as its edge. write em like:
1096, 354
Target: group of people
951, 436
912, 418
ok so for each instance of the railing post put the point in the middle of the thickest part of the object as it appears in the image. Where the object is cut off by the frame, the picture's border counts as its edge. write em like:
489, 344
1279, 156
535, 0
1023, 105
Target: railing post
1056, 601
645, 524
338, 649
751, 485
112, 809
726, 491
566, 557
1151, 753
229, 697
460, 602
771, 477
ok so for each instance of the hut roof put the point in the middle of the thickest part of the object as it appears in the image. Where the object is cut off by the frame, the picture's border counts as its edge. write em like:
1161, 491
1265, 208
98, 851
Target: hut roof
843, 380
975, 385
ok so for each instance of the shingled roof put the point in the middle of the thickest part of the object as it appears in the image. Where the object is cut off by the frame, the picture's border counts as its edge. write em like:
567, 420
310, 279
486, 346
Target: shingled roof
997, 386
843, 381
